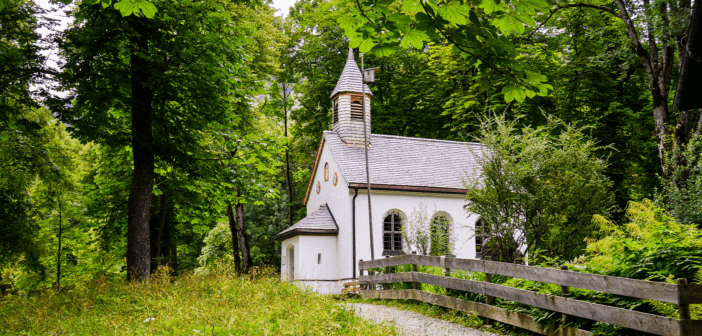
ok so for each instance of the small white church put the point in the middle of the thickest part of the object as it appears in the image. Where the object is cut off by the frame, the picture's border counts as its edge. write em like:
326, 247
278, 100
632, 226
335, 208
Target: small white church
322, 250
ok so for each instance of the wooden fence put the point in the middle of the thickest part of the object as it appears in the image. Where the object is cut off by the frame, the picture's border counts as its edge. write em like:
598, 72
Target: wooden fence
682, 294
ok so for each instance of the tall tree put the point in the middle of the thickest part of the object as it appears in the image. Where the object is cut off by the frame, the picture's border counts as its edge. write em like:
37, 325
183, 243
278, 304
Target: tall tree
152, 83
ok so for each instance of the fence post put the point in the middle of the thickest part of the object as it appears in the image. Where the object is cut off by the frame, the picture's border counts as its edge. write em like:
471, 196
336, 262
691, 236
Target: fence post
388, 270
360, 273
565, 291
415, 285
447, 271
684, 308
488, 299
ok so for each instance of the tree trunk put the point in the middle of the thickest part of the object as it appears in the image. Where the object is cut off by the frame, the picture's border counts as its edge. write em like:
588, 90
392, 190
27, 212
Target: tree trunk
235, 238
241, 232
655, 75
138, 245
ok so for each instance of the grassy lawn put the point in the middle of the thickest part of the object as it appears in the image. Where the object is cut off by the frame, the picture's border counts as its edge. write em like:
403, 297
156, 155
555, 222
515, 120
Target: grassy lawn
214, 304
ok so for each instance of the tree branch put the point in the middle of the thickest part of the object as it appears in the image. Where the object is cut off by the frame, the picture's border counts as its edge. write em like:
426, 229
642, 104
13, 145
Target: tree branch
601, 8
454, 42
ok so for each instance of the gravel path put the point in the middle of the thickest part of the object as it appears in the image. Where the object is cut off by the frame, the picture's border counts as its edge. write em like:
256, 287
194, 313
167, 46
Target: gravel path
411, 323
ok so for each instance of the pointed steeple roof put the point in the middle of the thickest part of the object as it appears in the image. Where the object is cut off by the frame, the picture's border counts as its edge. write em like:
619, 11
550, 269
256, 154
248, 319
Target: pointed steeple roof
351, 78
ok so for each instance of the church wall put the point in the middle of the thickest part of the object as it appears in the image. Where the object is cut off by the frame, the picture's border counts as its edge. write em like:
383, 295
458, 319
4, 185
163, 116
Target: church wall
318, 258
461, 230
285, 246
337, 198
315, 263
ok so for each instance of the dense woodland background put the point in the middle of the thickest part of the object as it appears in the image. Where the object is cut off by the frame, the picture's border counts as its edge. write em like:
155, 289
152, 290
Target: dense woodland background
185, 130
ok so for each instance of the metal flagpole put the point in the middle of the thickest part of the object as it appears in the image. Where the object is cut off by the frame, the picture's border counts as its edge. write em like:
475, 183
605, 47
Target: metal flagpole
365, 146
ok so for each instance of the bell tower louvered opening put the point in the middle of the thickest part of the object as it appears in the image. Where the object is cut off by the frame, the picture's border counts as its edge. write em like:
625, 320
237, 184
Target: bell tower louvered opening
336, 111
356, 110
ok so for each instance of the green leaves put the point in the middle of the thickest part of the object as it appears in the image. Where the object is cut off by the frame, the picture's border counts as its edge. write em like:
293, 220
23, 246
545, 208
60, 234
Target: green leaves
126, 7
552, 173
136, 7
452, 13
366, 46
482, 32
414, 37
513, 92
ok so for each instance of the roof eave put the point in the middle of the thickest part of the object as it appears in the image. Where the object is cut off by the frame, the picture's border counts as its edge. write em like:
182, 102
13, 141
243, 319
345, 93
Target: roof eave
391, 187
306, 232
314, 170
334, 94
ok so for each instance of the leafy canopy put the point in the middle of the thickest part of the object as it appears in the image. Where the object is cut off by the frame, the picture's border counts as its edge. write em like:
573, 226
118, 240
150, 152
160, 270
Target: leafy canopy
483, 32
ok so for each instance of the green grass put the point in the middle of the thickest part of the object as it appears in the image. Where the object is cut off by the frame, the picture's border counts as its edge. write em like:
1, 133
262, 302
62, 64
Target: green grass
215, 304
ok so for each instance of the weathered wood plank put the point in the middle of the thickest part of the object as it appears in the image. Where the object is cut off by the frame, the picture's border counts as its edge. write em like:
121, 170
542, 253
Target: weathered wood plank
402, 260
654, 324
641, 289
494, 313
621, 286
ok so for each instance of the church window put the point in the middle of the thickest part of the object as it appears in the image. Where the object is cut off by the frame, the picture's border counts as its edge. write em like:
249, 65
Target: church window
336, 111
356, 110
335, 179
440, 225
392, 234
319, 187
326, 171
481, 233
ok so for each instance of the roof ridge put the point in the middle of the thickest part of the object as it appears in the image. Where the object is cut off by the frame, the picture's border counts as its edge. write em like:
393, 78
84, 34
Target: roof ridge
417, 138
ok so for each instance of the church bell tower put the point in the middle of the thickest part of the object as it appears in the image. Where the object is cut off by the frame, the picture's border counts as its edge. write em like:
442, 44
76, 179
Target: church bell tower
347, 107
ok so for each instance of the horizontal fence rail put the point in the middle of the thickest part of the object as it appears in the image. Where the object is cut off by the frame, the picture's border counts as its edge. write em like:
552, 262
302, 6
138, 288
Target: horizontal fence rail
682, 293
640, 289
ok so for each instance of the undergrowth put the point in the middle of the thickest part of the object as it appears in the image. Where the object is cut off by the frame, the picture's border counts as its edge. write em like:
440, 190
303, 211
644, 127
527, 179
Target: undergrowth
219, 303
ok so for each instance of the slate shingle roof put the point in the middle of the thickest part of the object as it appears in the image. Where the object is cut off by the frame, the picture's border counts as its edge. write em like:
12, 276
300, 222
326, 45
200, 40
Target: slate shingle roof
351, 78
321, 221
405, 161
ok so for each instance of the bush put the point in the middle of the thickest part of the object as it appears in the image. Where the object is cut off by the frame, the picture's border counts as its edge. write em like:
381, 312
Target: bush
651, 246
538, 187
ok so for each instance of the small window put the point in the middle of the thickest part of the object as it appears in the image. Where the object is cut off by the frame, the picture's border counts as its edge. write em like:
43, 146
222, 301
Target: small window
481, 232
440, 235
356, 110
336, 111
392, 234
319, 258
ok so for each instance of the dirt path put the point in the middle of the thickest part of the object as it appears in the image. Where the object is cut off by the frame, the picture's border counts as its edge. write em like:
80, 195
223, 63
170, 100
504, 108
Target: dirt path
411, 323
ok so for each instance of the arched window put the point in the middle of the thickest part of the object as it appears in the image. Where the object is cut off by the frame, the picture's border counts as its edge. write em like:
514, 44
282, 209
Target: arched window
481, 233
336, 111
392, 234
440, 226
356, 110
